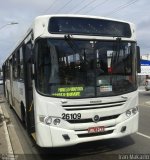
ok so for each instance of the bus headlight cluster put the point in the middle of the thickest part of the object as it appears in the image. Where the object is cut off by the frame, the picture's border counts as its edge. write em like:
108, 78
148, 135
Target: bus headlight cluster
56, 121
48, 120
131, 112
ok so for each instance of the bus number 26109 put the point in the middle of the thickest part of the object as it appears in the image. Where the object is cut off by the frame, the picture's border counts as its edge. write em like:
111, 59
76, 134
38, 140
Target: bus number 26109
73, 116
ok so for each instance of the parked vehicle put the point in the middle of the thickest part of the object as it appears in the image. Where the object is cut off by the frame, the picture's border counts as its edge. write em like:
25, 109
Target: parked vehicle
147, 85
1, 80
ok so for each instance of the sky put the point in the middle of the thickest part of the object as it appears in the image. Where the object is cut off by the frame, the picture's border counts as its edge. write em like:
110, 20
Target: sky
24, 11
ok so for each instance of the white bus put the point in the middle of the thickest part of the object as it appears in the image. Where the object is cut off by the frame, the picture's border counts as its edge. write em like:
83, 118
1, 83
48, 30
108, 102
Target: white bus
72, 79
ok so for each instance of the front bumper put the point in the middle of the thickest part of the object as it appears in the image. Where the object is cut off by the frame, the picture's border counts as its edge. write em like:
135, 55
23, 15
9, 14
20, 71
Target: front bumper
50, 136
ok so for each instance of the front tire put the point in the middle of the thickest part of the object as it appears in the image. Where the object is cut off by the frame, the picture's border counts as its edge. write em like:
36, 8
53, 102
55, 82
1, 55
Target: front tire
23, 115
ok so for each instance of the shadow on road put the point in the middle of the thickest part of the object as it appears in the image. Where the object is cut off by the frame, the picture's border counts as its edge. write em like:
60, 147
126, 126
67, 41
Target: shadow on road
86, 149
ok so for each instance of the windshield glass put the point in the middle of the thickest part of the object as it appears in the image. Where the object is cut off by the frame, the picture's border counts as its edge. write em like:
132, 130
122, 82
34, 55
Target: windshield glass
82, 68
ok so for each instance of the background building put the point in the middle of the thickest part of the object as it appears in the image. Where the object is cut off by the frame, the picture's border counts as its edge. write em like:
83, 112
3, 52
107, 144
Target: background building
145, 69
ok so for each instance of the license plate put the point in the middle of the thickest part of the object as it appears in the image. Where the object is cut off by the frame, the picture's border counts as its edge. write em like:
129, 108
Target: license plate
96, 129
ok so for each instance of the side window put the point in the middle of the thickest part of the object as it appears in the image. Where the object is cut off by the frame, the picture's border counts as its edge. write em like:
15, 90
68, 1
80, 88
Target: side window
21, 67
7, 70
27, 49
18, 64
15, 66
18, 68
28, 64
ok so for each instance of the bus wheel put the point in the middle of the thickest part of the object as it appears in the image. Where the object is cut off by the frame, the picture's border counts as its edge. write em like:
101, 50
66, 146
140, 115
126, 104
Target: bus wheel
7, 97
23, 116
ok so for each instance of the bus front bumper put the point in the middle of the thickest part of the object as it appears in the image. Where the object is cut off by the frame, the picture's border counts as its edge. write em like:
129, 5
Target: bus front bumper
50, 136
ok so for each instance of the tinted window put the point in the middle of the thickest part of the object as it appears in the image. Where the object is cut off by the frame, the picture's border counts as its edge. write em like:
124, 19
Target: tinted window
89, 26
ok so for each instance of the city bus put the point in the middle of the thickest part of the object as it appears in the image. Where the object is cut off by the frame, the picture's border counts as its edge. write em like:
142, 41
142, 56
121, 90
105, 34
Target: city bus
72, 79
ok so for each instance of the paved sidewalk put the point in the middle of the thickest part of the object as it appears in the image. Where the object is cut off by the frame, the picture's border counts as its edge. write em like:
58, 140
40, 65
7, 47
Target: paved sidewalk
3, 140
6, 150
10, 147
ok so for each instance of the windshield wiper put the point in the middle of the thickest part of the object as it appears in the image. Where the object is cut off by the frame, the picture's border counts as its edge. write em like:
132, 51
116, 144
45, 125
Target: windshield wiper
119, 58
118, 41
71, 44
74, 47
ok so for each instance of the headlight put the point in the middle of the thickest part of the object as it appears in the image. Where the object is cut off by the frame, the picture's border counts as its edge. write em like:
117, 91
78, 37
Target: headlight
128, 113
131, 112
48, 120
56, 121
135, 110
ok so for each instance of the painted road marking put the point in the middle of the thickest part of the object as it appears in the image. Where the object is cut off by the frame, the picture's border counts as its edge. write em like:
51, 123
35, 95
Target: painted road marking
141, 134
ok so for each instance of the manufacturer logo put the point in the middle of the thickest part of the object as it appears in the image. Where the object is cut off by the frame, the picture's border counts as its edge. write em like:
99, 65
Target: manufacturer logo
96, 101
96, 118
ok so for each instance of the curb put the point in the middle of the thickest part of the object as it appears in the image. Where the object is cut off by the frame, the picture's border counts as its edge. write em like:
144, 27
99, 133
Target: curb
9, 146
15, 143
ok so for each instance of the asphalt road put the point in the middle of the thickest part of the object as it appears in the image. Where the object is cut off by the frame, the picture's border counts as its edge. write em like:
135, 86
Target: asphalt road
109, 149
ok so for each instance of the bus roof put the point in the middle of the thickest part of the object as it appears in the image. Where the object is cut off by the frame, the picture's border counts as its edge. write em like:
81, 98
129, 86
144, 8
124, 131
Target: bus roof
38, 18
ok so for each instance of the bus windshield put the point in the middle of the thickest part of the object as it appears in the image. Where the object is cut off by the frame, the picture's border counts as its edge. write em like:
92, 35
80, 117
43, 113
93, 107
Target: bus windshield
72, 68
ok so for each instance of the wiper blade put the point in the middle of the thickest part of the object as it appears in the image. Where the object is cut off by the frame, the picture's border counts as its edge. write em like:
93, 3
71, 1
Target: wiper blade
120, 57
118, 41
69, 40
73, 46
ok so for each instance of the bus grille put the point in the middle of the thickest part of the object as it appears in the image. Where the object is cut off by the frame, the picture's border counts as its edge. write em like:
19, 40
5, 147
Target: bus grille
89, 120
93, 106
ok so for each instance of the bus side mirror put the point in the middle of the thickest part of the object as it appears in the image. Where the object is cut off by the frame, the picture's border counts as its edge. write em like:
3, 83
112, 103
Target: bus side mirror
138, 59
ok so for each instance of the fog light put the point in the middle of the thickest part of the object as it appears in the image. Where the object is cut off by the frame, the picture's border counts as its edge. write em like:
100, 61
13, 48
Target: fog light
123, 129
48, 120
56, 121
128, 113
66, 137
135, 110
